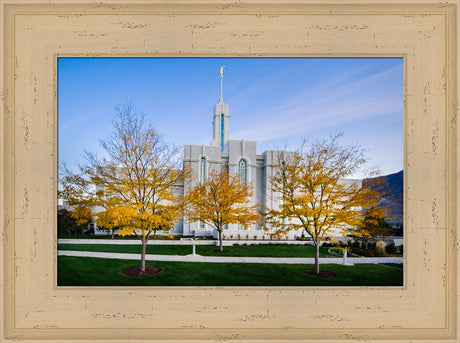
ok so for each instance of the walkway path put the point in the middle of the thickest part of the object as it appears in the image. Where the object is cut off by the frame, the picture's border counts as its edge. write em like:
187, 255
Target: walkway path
226, 242
230, 259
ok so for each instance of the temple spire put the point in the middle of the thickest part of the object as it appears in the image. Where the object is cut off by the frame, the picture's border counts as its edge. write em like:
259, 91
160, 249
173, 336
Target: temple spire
221, 120
221, 81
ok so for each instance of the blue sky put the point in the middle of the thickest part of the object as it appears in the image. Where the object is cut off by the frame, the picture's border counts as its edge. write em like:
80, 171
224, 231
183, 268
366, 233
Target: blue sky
275, 101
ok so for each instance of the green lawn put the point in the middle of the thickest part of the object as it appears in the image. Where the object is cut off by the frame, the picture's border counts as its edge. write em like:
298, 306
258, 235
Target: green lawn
87, 271
88, 236
206, 250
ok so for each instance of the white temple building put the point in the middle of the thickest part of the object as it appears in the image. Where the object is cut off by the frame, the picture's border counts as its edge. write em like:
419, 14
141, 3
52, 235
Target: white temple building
238, 157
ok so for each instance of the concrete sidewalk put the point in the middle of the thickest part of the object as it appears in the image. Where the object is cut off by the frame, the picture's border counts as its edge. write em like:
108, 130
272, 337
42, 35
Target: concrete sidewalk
231, 259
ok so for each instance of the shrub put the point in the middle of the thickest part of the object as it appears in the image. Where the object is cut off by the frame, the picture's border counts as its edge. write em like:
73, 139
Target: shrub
67, 225
390, 248
366, 252
355, 244
380, 247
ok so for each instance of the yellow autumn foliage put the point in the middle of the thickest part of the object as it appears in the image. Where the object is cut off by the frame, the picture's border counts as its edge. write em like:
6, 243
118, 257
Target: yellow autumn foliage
219, 200
133, 188
312, 195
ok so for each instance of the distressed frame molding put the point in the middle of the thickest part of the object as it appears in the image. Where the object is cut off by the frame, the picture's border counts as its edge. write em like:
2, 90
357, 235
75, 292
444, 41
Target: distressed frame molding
34, 34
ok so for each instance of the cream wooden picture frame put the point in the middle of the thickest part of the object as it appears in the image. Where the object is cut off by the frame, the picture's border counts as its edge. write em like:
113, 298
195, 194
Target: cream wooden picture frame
35, 33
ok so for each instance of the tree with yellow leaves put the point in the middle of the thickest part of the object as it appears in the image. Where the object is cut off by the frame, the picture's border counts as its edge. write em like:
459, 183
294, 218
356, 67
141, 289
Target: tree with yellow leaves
133, 187
373, 226
82, 215
115, 215
313, 195
81, 198
219, 200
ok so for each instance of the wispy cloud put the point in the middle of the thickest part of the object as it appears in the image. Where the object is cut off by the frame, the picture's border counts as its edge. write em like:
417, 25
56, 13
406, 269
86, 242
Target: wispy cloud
66, 126
97, 117
337, 102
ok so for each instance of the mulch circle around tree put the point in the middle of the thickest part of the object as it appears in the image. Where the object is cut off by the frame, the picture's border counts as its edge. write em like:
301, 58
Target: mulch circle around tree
223, 251
322, 273
136, 271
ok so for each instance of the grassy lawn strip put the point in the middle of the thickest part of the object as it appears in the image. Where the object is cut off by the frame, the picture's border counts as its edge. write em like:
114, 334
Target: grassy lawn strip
133, 237
87, 271
394, 265
206, 250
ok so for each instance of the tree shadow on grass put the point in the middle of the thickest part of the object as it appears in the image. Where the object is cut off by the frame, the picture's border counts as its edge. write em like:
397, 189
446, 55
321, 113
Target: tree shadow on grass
136, 271
322, 273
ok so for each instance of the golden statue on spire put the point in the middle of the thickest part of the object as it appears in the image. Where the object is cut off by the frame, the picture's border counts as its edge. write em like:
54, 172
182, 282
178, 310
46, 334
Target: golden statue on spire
222, 71
221, 79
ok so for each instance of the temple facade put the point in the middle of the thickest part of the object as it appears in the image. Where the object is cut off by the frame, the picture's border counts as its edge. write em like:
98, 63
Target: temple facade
238, 157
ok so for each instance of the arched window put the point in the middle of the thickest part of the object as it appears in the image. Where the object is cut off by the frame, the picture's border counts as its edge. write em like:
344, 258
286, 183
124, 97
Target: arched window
202, 169
243, 171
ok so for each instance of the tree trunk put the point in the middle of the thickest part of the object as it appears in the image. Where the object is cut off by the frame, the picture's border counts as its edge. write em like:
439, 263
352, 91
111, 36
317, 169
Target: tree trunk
220, 241
144, 246
316, 257
113, 234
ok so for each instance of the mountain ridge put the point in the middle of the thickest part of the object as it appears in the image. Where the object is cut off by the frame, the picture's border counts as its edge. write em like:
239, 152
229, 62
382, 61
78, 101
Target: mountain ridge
393, 198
